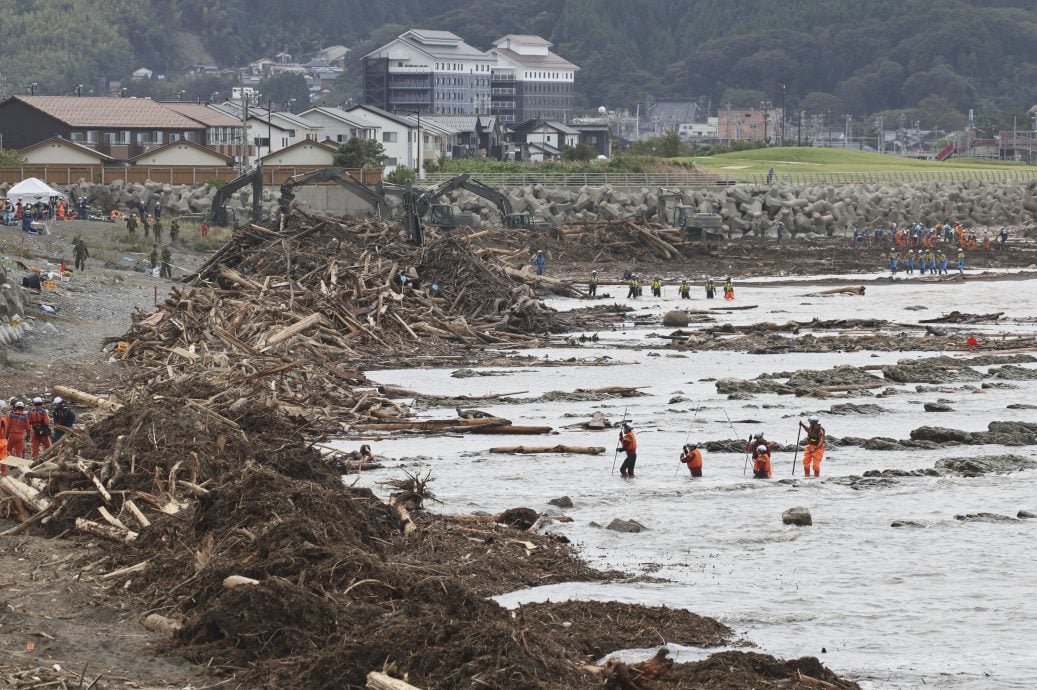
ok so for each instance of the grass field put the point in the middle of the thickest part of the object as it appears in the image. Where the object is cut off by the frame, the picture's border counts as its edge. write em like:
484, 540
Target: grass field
791, 160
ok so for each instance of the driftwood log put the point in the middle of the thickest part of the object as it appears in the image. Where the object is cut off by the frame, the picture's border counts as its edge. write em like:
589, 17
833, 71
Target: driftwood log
573, 450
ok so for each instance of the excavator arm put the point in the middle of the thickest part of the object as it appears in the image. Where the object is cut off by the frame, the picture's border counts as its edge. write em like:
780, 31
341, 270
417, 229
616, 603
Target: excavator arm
428, 198
218, 211
344, 178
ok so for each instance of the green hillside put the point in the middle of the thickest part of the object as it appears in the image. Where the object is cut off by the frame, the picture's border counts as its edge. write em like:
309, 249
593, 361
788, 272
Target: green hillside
834, 56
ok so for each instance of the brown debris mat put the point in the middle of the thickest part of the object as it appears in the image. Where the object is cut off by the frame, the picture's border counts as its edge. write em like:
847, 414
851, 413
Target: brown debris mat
292, 315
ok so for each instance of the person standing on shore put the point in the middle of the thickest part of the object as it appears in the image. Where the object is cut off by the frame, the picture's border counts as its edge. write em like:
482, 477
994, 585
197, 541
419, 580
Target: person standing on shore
592, 284
692, 457
961, 262
3, 439
64, 418
157, 229
17, 428
39, 422
80, 252
628, 444
131, 224
167, 265
1003, 236
538, 261
174, 230
815, 448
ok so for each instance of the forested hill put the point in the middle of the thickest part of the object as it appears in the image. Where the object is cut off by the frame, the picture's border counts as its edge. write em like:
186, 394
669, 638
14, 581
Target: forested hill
853, 56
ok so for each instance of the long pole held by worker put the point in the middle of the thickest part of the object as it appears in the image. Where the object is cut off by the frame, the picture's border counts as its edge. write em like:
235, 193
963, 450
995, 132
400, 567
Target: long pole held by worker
795, 455
615, 456
684, 445
735, 432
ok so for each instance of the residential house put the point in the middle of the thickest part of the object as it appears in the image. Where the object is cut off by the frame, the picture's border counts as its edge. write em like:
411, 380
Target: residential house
529, 81
541, 140
338, 125
223, 131
304, 153
58, 151
399, 134
475, 136
185, 154
141, 73
428, 72
271, 130
598, 137
121, 128
333, 55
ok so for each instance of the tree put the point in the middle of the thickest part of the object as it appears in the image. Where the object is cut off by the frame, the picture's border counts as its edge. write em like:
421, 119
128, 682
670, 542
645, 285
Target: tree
287, 87
360, 153
10, 158
401, 176
580, 152
941, 113
665, 146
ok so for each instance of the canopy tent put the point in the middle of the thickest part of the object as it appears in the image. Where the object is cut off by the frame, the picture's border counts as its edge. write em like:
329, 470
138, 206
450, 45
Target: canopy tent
32, 190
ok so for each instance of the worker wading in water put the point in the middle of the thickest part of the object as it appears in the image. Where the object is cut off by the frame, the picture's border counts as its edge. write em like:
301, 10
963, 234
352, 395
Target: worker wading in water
692, 457
628, 444
592, 284
762, 463
729, 289
711, 288
815, 449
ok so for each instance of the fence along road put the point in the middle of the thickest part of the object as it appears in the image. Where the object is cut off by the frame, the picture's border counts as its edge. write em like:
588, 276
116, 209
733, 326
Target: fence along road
556, 179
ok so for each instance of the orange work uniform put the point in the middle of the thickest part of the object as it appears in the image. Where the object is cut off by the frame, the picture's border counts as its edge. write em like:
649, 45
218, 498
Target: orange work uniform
17, 428
693, 459
762, 466
815, 449
628, 442
39, 422
3, 446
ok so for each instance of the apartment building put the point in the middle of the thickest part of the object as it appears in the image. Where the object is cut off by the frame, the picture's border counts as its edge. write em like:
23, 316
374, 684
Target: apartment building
529, 81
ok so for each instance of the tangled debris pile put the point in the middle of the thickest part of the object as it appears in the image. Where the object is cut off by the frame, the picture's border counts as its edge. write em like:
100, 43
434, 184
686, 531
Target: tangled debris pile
276, 313
249, 551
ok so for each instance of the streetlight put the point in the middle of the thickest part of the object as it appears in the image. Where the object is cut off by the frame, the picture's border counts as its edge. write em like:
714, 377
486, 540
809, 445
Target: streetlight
31, 87
79, 90
766, 105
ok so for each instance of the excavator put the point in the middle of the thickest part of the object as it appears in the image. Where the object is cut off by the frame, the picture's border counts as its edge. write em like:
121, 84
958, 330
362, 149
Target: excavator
419, 207
697, 224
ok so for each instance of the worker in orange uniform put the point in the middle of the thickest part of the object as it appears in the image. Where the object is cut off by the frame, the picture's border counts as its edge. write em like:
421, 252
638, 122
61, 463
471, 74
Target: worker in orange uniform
729, 288
692, 457
762, 462
628, 444
3, 441
815, 450
757, 440
39, 422
17, 428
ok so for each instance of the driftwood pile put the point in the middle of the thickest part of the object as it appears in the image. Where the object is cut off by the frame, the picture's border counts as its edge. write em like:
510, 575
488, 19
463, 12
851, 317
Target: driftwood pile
277, 314
626, 239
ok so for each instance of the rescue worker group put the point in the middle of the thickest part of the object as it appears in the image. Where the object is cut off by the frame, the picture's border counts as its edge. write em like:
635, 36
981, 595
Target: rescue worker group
35, 424
758, 446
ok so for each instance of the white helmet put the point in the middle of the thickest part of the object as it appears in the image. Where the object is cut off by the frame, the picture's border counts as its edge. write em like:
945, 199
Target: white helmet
37, 400
628, 426
58, 400
758, 434
19, 405
813, 418
693, 445
761, 448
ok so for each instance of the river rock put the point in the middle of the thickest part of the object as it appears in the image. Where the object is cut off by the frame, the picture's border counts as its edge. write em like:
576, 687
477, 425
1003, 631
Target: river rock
986, 464
630, 526
985, 517
906, 523
562, 502
1022, 406
936, 434
937, 407
797, 516
1008, 434
676, 319
926, 371
927, 472
881, 443
1026, 514
855, 408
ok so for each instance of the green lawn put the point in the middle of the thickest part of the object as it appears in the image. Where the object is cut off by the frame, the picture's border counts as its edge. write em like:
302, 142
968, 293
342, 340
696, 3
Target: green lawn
818, 160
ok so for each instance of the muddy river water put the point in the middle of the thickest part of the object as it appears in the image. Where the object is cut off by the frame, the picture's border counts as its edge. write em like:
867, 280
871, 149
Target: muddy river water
947, 604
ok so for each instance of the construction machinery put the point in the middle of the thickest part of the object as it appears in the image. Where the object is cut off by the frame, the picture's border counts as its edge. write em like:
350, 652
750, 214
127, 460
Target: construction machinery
699, 225
254, 177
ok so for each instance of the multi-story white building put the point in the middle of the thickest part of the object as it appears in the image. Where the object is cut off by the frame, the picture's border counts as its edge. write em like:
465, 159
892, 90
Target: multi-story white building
428, 72
437, 73
529, 81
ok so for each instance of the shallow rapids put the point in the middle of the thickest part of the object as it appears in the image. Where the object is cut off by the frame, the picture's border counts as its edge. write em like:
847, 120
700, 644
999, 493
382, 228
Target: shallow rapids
949, 604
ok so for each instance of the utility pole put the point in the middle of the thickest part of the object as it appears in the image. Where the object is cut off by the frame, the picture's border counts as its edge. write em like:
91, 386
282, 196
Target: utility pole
782, 142
881, 134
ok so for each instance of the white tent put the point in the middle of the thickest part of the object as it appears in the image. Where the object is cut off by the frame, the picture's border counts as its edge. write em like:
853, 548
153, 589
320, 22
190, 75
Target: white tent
32, 190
